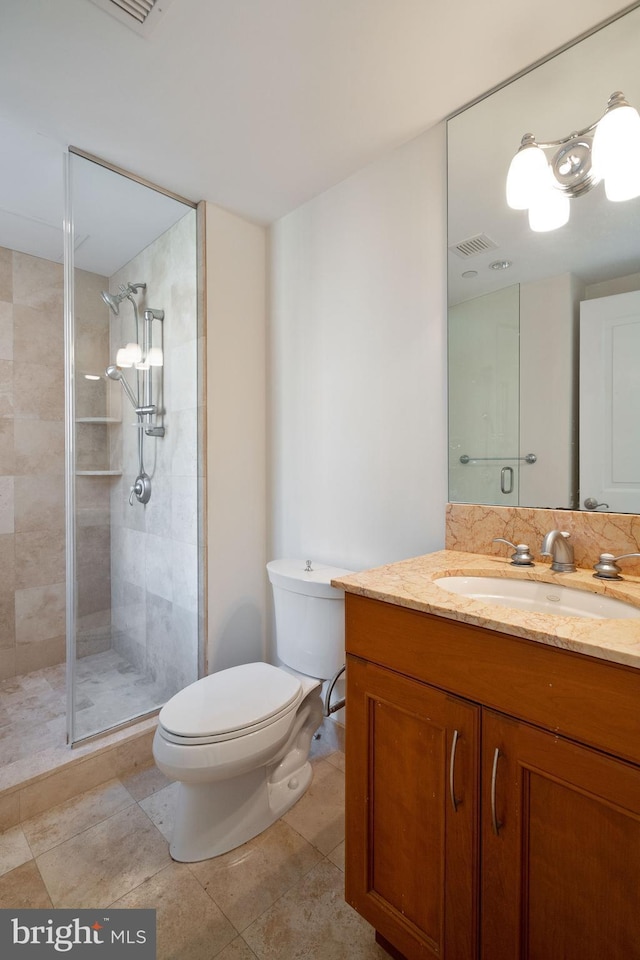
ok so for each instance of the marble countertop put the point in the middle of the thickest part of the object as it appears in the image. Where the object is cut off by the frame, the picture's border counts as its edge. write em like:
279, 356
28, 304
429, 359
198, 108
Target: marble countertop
409, 583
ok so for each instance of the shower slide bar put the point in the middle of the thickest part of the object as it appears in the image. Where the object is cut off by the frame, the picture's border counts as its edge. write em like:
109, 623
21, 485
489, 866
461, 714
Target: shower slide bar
144, 356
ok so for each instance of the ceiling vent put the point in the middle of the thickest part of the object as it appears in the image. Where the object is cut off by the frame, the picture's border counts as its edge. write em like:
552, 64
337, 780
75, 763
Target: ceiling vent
473, 246
139, 15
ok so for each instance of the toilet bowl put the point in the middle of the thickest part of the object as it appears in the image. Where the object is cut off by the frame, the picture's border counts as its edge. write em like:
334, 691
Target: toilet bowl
238, 741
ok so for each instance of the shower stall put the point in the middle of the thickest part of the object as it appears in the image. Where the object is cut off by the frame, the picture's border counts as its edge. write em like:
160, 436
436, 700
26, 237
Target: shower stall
133, 469
101, 466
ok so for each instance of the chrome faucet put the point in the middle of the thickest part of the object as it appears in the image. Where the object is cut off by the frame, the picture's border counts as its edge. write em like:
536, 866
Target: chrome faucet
555, 546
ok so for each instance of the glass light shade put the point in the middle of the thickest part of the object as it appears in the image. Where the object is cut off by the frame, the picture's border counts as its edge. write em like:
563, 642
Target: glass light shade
129, 355
143, 365
527, 174
623, 181
154, 357
122, 358
550, 207
616, 152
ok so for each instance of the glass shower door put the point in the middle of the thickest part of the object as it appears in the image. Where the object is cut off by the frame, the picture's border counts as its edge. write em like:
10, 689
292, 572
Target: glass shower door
484, 399
133, 460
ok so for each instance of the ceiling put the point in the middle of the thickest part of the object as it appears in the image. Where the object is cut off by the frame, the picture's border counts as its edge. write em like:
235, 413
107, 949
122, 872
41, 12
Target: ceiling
256, 105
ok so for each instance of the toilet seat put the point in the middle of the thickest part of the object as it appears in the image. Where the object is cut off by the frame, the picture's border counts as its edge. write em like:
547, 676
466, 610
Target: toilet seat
230, 704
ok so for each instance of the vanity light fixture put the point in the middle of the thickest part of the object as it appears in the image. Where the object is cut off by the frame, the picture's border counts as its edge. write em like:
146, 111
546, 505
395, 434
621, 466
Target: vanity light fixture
607, 150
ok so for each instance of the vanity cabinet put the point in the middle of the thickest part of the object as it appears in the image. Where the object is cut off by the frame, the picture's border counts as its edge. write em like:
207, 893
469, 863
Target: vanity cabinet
561, 862
412, 811
493, 792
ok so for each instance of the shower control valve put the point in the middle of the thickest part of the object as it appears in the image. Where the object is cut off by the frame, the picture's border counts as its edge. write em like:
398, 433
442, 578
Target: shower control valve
141, 489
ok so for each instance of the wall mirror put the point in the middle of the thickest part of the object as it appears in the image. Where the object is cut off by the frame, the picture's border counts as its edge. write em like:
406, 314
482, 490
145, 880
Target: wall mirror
542, 403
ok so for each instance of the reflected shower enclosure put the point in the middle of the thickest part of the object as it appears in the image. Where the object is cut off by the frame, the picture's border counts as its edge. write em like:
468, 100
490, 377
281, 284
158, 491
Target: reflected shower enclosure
133, 464
484, 399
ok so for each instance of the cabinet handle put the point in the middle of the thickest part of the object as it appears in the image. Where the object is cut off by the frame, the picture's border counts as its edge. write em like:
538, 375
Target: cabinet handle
494, 776
452, 771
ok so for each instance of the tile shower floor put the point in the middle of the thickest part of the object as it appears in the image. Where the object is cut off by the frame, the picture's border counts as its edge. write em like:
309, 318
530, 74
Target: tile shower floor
33, 707
278, 897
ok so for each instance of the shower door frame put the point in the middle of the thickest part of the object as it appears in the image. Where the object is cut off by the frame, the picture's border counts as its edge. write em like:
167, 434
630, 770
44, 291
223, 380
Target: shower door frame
70, 444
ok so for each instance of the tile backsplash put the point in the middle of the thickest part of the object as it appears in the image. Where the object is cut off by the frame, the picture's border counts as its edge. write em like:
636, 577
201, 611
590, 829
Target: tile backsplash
472, 527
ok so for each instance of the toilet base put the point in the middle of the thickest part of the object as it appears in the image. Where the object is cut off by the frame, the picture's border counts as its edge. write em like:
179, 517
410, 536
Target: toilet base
213, 818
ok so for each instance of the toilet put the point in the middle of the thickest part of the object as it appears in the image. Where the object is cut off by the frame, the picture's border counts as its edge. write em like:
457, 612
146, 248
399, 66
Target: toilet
238, 741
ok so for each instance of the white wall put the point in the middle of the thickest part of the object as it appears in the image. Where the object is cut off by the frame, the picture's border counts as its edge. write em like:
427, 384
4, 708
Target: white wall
609, 288
236, 438
358, 365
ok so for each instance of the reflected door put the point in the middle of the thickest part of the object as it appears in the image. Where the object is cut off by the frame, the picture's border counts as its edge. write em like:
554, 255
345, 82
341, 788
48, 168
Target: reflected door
610, 402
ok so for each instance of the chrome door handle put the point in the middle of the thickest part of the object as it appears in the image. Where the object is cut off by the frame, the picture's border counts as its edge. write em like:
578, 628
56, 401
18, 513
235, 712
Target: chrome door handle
591, 503
496, 824
452, 771
506, 480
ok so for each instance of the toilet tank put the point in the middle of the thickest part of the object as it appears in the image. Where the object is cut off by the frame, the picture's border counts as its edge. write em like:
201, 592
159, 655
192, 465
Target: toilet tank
309, 616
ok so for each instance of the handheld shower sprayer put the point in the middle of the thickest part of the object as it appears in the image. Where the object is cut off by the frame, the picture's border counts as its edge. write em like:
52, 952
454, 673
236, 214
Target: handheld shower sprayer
115, 373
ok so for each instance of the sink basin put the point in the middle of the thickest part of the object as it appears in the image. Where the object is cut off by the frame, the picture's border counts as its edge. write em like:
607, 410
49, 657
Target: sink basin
539, 597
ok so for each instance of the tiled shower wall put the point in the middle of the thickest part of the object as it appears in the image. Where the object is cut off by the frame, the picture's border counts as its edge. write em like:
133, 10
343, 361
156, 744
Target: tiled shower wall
154, 557
32, 516
32, 560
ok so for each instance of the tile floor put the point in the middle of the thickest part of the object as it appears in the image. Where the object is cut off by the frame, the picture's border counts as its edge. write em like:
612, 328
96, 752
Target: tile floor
278, 897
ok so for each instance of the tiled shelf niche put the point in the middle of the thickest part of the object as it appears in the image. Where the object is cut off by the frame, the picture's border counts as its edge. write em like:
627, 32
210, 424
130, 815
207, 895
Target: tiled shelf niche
98, 420
93, 446
98, 473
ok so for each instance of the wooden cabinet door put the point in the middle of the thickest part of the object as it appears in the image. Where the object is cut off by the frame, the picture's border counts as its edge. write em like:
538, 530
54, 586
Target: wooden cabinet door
560, 848
412, 813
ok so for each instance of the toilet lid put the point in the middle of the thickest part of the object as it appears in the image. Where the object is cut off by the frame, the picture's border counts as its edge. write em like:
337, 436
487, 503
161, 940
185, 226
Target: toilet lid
230, 701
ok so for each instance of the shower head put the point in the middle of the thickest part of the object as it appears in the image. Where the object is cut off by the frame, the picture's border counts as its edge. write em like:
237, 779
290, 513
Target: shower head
113, 300
113, 372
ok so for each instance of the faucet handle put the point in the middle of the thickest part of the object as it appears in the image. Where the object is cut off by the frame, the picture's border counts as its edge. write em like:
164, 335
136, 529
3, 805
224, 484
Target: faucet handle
607, 567
522, 556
